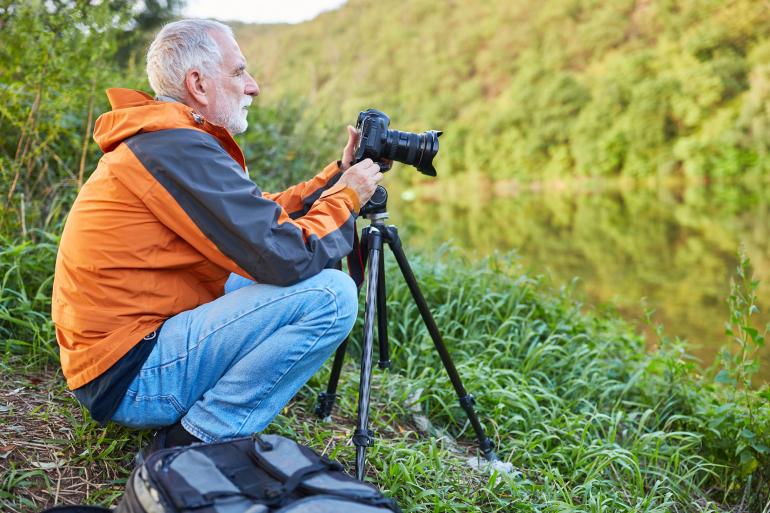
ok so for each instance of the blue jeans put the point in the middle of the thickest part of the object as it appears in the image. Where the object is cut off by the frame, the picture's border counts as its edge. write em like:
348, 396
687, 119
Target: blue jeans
228, 367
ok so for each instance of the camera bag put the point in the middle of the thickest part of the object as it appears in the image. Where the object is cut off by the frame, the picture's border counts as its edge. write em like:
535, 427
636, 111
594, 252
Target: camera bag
257, 474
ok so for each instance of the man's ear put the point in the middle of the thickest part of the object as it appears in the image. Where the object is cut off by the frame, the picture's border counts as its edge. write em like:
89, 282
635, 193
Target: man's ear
197, 87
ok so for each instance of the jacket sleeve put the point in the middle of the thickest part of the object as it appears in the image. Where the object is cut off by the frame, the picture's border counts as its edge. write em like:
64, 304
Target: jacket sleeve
225, 214
298, 199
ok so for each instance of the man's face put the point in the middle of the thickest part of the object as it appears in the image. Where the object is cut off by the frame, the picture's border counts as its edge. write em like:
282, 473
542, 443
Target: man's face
234, 88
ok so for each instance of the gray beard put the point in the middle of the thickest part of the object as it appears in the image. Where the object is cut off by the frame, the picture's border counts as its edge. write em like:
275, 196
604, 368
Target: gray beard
234, 122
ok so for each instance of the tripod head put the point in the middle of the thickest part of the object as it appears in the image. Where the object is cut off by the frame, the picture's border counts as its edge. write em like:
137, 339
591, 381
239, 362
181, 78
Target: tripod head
376, 209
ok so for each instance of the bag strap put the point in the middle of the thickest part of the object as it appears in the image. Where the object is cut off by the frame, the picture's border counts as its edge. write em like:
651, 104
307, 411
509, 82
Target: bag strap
76, 509
357, 260
300, 475
280, 493
184, 495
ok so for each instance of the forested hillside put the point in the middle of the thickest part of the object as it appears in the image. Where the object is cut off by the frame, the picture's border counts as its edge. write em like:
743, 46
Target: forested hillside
531, 88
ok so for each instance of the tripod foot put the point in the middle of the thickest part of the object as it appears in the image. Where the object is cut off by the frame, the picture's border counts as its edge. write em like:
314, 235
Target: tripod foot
500, 467
324, 405
485, 444
488, 450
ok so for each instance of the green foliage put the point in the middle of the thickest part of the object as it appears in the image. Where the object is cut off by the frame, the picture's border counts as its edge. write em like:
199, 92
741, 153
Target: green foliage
26, 276
737, 365
524, 88
589, 420
146, 18
52, 77
284, 145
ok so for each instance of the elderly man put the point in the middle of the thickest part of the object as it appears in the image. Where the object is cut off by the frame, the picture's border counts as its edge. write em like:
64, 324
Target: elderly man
185, 297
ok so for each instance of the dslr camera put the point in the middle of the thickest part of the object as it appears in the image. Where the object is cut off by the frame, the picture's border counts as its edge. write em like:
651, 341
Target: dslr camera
380, 144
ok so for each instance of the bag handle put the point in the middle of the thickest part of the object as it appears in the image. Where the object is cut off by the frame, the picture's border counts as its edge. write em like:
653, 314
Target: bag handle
279, 493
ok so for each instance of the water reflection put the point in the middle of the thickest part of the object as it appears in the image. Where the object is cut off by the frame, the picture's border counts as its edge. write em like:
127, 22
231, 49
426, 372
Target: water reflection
674, 246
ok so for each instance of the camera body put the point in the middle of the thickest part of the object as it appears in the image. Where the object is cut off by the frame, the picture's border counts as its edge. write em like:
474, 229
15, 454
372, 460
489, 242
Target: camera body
379, 143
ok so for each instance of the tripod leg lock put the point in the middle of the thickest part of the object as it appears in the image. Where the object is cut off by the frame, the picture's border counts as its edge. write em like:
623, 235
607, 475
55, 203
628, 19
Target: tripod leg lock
467, 402
325, 404
363, 438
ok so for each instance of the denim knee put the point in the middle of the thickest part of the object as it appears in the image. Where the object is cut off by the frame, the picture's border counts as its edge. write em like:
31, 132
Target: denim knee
346, 296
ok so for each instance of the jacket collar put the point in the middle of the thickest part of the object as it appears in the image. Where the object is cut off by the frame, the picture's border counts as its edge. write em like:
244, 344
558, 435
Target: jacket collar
136, 112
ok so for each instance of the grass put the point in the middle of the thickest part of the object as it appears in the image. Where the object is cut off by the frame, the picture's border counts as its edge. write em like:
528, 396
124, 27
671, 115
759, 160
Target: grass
49, 453
588, 419
26, 277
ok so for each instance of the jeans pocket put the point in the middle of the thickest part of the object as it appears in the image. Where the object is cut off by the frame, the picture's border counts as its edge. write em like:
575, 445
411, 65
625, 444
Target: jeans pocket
143, 412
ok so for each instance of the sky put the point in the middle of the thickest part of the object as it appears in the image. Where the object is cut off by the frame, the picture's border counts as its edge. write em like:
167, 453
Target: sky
259, 11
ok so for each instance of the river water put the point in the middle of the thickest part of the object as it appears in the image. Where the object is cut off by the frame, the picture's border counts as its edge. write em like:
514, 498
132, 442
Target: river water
672, 247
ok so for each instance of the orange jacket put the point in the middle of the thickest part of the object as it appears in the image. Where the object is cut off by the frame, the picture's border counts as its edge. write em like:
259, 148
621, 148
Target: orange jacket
168, 213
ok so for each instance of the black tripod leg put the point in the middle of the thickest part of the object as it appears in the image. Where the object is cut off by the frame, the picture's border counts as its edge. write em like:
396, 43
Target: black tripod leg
325, 403
466, 400
363, 436
382, 316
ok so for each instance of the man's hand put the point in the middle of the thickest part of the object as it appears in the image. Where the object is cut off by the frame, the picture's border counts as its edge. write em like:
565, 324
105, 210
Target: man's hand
362, 178
347, 154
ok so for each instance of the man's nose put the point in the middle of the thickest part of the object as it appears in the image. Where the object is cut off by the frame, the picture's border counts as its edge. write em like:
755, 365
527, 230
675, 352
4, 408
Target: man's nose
251, 89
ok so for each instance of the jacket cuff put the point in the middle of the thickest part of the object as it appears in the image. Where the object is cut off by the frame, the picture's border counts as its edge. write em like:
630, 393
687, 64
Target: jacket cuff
351, 197
331, 170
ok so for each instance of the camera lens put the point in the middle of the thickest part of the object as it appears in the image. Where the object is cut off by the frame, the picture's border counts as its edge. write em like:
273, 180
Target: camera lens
416, 150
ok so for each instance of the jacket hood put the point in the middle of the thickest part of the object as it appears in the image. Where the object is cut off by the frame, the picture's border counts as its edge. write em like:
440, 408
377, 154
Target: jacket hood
135, 112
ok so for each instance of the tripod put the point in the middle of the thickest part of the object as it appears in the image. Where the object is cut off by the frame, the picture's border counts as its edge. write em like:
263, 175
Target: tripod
372, 239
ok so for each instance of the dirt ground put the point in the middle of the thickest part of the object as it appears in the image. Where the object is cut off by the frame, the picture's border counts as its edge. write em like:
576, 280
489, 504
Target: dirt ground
49, 453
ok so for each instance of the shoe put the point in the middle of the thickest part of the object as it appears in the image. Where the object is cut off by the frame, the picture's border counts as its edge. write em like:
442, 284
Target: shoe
170, 436
157, 443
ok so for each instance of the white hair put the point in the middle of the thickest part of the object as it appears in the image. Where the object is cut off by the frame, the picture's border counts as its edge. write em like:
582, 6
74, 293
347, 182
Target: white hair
179, 47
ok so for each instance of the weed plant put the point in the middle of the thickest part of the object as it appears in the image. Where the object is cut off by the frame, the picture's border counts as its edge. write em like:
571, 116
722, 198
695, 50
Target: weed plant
743, 411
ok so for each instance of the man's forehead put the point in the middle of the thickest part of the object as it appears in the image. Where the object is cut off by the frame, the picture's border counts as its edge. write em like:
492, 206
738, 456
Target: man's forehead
231, 52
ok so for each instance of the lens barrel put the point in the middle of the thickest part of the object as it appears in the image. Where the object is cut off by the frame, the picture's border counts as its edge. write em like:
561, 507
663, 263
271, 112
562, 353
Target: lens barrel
416, 150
